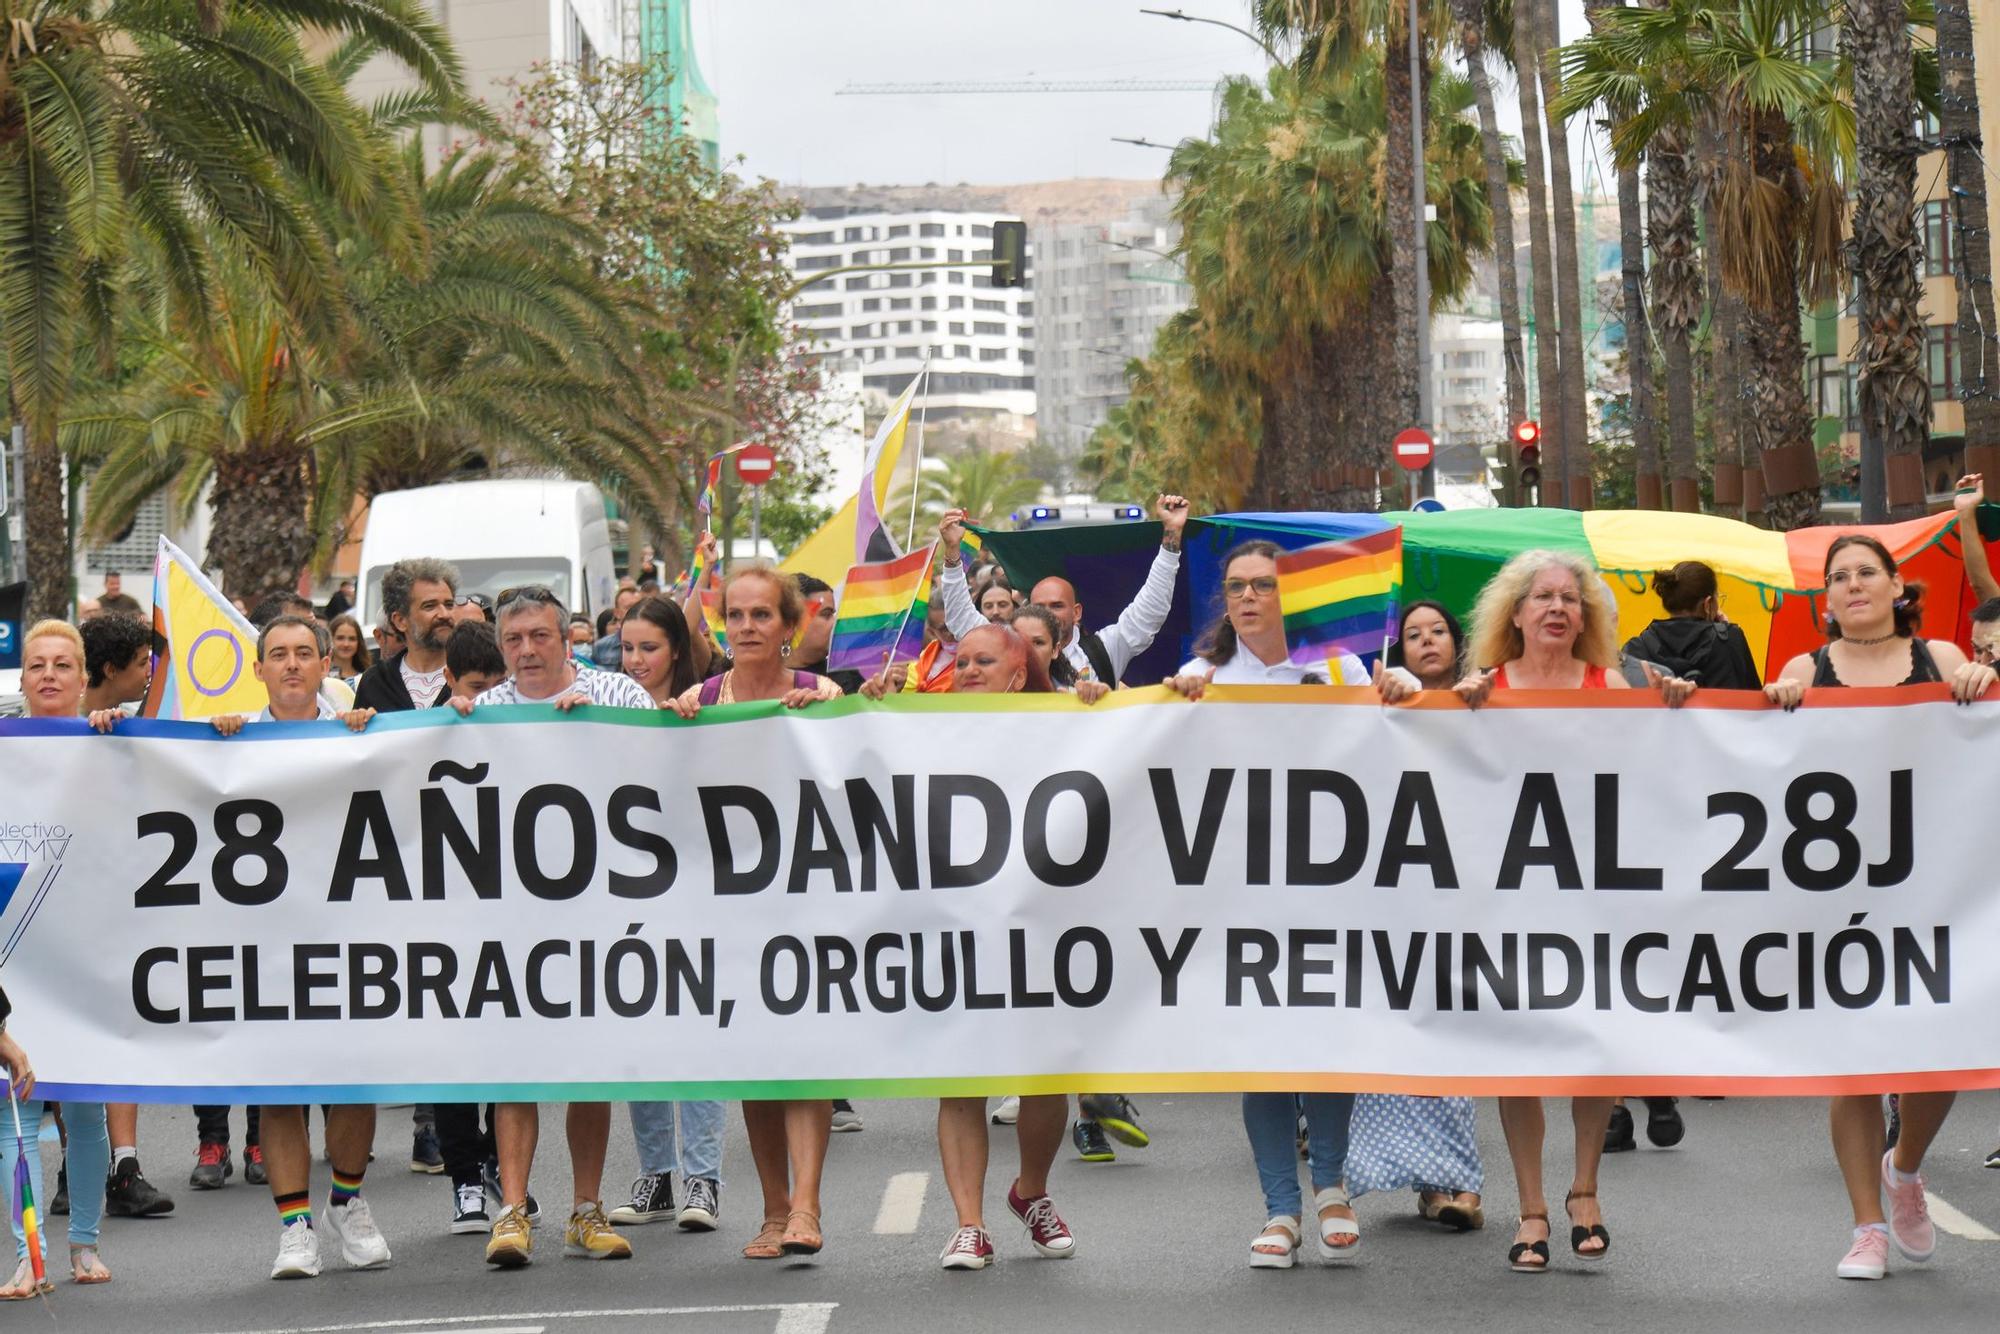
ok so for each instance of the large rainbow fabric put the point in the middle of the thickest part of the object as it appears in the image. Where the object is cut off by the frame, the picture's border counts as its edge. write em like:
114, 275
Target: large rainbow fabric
882, 610
203, 648
1340, 597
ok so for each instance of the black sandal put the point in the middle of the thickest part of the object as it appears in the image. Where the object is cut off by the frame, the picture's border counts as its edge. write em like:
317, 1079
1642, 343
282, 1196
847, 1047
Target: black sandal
1579, 1235
1520, 1250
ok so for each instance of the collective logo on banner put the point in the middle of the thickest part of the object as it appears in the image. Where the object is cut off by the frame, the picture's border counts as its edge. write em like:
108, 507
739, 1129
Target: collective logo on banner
13, 605
33, 850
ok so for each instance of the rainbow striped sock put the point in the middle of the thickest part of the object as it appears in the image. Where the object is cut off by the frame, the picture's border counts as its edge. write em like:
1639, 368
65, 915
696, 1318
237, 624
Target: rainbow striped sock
345, 1188
295, 1209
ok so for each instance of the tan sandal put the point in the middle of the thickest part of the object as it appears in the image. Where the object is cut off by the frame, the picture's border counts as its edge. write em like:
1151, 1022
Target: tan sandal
802, 1240
23, 1286
86, 1266
764, 1246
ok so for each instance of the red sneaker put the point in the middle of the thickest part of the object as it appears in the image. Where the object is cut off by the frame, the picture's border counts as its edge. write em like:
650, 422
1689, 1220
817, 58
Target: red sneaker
211, 1167
1046, 1229
253, 1166
969, 1248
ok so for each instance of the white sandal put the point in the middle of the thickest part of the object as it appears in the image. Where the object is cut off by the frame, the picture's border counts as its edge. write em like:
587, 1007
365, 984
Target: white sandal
1332, 1230
1286, 1235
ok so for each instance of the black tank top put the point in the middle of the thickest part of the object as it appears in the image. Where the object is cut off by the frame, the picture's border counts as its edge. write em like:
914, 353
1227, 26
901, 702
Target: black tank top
1923, 668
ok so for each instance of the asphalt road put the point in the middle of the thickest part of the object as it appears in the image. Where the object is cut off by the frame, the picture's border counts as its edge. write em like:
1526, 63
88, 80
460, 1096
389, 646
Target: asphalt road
1739, 1228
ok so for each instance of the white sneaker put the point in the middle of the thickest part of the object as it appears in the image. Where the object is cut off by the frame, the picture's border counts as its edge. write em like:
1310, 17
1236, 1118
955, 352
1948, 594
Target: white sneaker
298, 1252
352, 1224
1008, 1112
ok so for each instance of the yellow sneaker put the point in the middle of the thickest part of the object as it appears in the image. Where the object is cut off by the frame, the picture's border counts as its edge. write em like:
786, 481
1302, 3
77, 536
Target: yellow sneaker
589, 1237
513, 1241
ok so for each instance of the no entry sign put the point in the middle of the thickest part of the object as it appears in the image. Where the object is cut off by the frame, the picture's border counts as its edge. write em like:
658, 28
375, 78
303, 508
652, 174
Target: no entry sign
756, 464
1414, 449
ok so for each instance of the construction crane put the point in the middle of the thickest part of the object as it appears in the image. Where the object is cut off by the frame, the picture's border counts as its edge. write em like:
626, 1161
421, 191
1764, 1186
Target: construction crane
1033, 86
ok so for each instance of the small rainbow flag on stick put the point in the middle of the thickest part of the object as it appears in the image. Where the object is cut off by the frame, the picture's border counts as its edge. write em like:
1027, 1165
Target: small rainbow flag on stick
1340, 597
24, 1190
882, 610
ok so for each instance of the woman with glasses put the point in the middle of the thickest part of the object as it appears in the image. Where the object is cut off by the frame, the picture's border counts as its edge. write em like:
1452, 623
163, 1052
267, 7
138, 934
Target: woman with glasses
1871, 629
762, 609
1246, 646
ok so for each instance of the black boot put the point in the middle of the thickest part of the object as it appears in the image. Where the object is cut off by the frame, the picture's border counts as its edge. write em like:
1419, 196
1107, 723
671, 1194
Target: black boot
60, 1204
1618, 1135
1664, 1126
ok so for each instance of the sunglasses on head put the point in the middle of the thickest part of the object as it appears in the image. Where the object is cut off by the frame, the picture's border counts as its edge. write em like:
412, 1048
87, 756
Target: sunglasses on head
528, 593
479, 600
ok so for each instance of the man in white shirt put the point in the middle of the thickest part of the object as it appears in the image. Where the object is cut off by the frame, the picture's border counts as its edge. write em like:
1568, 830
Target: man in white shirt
417, 602
534, 641
1102, 656
293, 659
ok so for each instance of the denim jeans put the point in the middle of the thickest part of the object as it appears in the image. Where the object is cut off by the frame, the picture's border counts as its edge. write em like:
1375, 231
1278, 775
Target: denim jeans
89, 1159
1272, 1121
700, 1138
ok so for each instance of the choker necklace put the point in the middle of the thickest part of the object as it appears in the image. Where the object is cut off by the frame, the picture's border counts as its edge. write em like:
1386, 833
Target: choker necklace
1870, 643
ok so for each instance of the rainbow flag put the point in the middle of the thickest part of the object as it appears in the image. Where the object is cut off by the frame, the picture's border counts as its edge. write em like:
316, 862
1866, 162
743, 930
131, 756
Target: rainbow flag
1340, 597
969, 547
24, 1191
711, 612
711, 477
203, 648
882, 610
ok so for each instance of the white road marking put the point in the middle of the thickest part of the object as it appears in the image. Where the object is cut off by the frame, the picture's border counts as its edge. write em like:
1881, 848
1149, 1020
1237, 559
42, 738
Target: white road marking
902, 1204
496, 1329
1946, 1216
793, 1318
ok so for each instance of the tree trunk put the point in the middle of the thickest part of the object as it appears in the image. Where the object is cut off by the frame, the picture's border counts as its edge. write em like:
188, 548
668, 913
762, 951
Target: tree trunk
1400, 221
1641, 410
260, 536
1736, 479
1677, 301
1778, 418
1324, 434
45, 514
1569, 297
1471, 15
1972, 258
1548, 377
1895, 392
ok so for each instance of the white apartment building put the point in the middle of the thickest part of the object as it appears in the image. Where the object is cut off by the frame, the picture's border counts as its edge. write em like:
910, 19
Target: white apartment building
1104, 290
1468, 382
981, 338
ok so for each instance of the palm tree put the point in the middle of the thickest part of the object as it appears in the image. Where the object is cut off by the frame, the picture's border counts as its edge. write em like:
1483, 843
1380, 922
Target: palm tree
500, 340
1779, 197
1568, 277
1541, 260
1472, 21
1895, 392
1978, 334
191, 126
989, 487
1638, 336
1284, 234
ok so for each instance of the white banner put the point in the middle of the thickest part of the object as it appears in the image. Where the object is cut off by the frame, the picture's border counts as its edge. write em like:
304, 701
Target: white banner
1267, 889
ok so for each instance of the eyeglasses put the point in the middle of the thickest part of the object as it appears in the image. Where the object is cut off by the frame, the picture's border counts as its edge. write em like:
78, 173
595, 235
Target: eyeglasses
1264, 585
527, 593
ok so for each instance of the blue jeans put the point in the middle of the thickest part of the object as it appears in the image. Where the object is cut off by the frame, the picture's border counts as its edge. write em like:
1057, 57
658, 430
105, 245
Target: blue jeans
89, 1160
1272, 1121
700, 1138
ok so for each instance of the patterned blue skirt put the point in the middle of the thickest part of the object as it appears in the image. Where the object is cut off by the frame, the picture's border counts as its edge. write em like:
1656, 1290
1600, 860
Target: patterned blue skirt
1399, 1141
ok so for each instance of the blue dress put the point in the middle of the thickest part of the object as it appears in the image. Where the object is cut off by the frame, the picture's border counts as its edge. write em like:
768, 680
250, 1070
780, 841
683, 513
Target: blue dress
1404, 1142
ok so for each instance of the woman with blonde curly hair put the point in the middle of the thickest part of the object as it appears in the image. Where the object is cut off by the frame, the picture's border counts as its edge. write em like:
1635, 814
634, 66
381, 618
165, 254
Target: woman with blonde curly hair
1547, 622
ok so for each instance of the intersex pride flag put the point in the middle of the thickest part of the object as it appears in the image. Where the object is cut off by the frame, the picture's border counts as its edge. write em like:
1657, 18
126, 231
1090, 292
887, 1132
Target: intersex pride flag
882, 610
1340, 597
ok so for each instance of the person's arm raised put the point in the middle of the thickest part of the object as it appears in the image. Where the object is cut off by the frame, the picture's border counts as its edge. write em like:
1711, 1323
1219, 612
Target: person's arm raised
1978, 570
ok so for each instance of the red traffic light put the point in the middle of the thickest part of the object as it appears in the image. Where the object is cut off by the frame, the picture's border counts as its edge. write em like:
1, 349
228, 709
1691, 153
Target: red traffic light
1528, 433
1528, 457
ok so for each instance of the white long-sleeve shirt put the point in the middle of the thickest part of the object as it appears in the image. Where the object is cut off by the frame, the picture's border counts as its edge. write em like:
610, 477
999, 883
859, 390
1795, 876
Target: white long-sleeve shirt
1124, 639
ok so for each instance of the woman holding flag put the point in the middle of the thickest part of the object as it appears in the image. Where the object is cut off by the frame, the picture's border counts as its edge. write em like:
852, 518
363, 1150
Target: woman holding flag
52, 678
1246, 646
761, 613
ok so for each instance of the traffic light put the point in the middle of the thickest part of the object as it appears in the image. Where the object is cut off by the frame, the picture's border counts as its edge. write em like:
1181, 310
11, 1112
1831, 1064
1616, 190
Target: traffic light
1010, 254
1528, 461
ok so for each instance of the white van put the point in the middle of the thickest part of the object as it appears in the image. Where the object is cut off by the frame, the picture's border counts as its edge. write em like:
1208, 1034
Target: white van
500, 534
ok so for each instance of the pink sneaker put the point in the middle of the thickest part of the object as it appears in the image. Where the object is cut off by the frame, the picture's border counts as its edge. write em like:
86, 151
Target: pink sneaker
1868, 1257
1909, 1216
1046, 1229
969, 1248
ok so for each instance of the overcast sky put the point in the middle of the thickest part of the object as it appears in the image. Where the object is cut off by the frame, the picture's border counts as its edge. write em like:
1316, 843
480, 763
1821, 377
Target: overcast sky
776, 65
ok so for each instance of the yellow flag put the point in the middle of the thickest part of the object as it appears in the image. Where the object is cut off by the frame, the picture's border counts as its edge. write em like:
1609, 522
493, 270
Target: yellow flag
203, 647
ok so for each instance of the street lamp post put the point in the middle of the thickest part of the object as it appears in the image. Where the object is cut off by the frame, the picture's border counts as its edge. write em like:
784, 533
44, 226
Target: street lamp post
1427, 481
